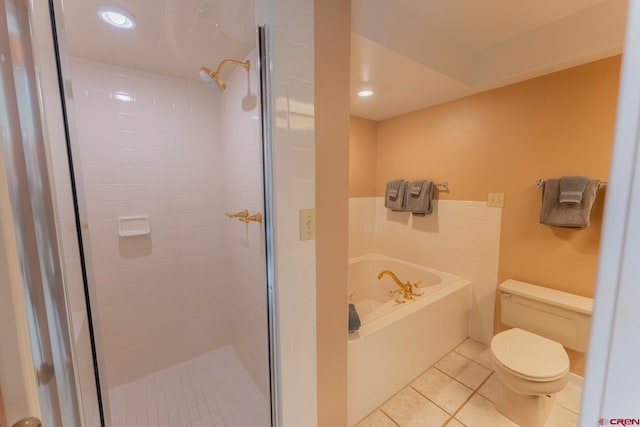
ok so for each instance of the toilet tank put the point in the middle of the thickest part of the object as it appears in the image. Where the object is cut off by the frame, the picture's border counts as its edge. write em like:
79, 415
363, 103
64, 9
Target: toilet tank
557, 315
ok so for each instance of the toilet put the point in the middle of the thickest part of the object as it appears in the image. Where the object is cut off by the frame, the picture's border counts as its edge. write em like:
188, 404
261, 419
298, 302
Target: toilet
530, 361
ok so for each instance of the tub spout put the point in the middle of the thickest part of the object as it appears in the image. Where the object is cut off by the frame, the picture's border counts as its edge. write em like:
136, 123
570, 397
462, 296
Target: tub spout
407, 293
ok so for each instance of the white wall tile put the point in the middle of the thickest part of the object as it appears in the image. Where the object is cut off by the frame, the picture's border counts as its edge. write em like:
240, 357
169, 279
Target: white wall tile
297, 22
143, 158
292, 69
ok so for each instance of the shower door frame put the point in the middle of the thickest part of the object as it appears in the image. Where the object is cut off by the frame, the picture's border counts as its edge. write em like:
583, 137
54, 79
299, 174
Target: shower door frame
264, 55
79, 202
34, 235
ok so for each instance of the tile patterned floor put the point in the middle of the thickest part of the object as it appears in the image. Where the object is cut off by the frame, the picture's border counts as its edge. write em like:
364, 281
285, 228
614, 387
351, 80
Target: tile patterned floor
212, 390
459, 391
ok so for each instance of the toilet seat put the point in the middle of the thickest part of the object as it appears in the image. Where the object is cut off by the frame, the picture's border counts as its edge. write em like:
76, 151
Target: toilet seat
529, 356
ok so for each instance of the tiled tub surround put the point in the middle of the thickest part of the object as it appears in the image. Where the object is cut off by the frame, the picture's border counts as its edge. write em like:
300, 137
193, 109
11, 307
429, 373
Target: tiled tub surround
459, 237
459, 391
391, 349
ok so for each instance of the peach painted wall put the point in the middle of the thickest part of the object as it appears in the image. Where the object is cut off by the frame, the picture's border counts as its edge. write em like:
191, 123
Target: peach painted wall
3, 416
362, 157
332, 58
502, 141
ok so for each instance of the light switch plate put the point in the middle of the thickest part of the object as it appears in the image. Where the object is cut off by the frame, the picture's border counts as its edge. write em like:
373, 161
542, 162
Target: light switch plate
495, 200
307, 224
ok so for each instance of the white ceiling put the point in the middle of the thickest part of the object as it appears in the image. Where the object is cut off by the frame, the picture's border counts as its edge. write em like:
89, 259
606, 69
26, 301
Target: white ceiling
482, 24
400, 84
418, 53
172, 37
412, 53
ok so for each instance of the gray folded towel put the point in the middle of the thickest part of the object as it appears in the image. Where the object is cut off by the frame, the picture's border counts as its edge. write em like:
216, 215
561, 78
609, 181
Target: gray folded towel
354, 319
571, 188
420, 197
395, 195
570, 215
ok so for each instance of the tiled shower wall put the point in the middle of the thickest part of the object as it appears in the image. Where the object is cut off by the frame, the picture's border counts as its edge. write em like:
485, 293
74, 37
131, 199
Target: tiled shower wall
149, 146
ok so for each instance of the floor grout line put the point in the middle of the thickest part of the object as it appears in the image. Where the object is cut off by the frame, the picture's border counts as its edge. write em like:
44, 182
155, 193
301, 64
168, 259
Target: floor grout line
454, 418
468, 358
388, 416
438, 406
454, 378
483, 382
471, 396
473, 391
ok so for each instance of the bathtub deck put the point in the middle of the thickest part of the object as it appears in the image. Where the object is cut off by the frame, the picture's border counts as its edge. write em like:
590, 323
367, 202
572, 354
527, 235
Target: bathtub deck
459, 391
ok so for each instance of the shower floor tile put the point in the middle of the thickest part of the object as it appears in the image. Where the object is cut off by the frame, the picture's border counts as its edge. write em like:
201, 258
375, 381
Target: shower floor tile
212, 390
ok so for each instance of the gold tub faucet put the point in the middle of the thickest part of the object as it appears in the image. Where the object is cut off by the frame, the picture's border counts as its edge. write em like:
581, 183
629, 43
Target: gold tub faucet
407, 293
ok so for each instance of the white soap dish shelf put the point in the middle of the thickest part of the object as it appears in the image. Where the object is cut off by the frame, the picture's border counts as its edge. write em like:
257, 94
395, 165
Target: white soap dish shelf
129, 226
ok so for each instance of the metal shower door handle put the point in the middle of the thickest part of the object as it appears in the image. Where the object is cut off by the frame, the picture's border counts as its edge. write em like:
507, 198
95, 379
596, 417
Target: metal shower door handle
28, 422
45, 373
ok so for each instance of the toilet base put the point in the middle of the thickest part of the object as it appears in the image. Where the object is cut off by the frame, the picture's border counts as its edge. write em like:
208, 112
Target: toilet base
524, 409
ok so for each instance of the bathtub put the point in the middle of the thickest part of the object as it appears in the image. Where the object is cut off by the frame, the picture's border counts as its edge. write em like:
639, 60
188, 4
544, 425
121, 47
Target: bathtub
397, 342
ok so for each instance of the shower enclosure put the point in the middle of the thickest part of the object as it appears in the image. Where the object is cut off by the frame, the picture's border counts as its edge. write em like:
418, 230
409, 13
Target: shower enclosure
156, 303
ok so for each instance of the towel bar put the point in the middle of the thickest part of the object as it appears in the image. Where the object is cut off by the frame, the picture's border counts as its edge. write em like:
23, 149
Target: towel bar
540, 182
444, 185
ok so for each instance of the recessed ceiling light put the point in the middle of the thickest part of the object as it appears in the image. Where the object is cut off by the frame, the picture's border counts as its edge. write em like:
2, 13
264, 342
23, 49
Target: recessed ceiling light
116, 17
365, 93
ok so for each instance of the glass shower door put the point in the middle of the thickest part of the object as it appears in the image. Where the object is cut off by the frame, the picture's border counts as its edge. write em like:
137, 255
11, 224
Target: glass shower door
38, 375
177, 289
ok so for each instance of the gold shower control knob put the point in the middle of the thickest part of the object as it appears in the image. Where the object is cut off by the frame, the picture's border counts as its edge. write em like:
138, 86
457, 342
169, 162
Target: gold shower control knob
241, 214
255, 217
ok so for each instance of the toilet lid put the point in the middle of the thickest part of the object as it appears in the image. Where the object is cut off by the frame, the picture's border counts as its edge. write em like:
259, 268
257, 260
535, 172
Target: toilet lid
530, 355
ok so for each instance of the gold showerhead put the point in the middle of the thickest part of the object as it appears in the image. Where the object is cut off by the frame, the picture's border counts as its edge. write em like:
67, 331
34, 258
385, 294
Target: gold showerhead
213, 79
